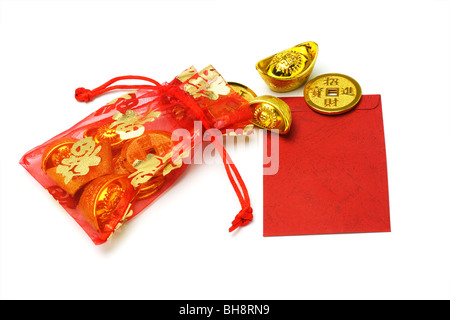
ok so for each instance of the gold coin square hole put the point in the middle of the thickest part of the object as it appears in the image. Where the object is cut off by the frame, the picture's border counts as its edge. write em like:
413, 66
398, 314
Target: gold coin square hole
332, 92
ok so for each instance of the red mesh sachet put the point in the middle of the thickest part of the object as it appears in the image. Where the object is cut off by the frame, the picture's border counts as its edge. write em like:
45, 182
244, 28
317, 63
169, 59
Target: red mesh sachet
112, 164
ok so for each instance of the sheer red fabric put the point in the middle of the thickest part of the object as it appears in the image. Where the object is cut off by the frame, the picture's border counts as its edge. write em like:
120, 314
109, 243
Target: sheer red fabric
111, 165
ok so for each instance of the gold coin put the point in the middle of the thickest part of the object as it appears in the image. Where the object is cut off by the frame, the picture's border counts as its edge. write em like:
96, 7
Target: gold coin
244, 91
332, 93
157, 142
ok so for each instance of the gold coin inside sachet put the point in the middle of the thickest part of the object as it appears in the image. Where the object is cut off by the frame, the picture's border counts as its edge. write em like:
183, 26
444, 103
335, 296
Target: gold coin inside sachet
156, 142
332, 93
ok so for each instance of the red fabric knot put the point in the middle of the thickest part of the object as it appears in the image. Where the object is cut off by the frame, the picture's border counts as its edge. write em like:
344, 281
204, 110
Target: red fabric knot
243, 218
83, 95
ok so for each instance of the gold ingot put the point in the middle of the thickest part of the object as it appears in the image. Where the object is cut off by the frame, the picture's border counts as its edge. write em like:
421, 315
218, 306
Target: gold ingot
61, 149
244, 91
119, 164
271, 113
105, 134
56, 151
332, 93
105, 200
289, 69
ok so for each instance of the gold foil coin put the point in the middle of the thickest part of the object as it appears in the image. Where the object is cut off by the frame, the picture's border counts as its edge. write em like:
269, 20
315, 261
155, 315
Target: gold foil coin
332, 93
271, 113
244, 91
157, 142
149, 188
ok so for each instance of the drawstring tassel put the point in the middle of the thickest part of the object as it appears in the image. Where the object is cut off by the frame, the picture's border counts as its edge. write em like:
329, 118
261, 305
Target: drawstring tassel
243, 218
246, 214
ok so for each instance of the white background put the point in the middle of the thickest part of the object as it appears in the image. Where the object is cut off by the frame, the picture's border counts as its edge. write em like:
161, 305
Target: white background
180, 248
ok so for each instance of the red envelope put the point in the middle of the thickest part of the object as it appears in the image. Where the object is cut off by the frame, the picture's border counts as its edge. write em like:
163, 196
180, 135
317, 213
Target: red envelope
332, 175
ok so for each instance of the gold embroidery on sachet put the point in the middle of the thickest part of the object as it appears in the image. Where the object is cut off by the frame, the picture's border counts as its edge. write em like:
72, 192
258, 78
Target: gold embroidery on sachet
83, 155
131, 124
209, 84
154, 164
186, 74
148, 168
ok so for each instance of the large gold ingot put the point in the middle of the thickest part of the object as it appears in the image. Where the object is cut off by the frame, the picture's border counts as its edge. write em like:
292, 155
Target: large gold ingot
105, 200
271, 113
289, 69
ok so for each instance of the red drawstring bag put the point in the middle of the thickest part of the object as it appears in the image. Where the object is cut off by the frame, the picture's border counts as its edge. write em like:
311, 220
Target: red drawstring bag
112, 164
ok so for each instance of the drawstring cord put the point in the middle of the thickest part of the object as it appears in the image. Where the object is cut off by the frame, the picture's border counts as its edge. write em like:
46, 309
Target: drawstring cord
245, 215
86, 95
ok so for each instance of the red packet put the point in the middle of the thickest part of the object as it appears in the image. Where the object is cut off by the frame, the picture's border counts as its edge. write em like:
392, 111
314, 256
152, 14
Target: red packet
332, 175
115, 162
